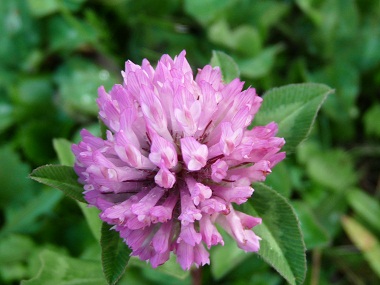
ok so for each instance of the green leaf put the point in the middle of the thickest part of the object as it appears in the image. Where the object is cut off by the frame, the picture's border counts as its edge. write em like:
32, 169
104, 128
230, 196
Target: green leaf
63, 149
40, 8
58, 269
227, 65
282, 244
314, 234
205, 11
78, 82
366, 207
17, 252
60, 177
367, 242
261, 64
294, 108
115, 254
333, 169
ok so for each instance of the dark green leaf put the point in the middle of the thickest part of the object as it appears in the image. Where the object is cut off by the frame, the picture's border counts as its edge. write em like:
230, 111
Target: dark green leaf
282, 244
61, 177
21, 219
115, 254
294, 108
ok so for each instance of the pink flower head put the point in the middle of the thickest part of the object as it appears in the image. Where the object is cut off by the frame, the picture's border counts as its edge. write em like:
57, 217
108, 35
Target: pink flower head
177, 156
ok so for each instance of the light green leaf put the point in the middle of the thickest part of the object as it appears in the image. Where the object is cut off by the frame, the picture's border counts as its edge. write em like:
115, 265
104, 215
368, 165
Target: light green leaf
63, 149
366, 241
282, 244
365, 206
40, 8
294, 108
227, 65
17, 252
60, 177
92, 217
204, 11
333, 169
261, 64
115, 254
78, 82
58, 269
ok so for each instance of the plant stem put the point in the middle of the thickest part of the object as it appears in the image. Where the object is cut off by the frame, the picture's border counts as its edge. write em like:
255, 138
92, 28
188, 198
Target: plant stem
196, 276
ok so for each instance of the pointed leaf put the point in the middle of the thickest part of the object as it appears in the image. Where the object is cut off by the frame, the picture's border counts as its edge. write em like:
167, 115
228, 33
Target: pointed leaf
227, 65
294, 108
61, 177
115, 254
282, 244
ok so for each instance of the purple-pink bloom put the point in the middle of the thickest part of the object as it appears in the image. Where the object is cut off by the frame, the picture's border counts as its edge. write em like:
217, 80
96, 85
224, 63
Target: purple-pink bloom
177, 156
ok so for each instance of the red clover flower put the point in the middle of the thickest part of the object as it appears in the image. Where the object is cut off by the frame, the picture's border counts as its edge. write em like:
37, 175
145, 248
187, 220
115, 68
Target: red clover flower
178, 154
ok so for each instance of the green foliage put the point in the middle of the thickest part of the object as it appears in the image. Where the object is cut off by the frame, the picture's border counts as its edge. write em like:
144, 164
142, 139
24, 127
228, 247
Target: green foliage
60, 177
115, 254
57, 268
282, 244
294, 108
55, 54
227, 65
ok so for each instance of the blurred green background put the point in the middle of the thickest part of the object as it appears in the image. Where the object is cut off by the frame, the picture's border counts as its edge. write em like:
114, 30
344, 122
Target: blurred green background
54, 54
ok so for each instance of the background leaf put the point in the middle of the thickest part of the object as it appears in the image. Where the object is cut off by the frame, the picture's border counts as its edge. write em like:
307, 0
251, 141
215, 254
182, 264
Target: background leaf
365, 241
227, 65
60, 177
59, 269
